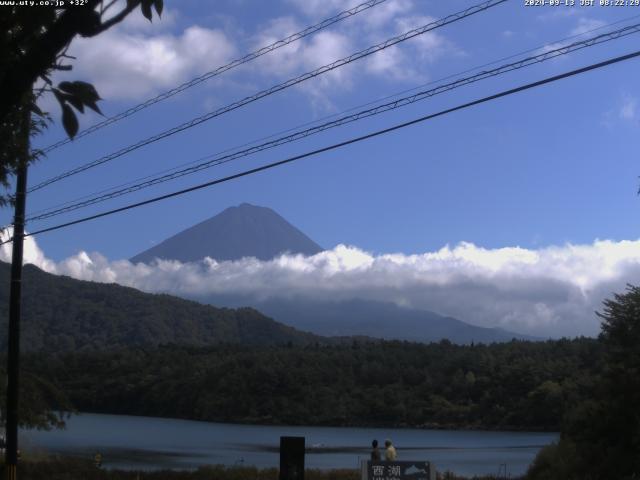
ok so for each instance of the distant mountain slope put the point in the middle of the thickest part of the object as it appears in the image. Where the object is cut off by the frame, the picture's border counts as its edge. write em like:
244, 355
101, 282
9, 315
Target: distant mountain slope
63, 314
373, 319
383, 320
243, 231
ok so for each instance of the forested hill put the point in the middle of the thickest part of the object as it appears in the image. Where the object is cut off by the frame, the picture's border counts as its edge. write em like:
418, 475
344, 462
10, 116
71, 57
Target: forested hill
514, 385
63, 314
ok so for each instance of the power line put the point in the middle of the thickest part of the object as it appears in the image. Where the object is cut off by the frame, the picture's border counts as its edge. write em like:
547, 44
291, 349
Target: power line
220, 70
270, 91
334, 115
218, 160
344, 143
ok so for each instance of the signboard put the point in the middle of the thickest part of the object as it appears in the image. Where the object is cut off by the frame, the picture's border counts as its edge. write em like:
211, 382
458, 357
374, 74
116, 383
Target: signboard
291, 458
406, 470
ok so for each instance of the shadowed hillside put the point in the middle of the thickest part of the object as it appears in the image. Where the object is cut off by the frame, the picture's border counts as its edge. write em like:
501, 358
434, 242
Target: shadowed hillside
63, 314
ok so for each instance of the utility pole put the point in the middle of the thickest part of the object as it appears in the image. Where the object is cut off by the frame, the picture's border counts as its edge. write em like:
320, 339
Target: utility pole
15, 296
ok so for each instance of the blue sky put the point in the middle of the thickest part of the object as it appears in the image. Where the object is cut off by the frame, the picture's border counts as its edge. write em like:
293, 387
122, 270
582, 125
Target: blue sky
549, 167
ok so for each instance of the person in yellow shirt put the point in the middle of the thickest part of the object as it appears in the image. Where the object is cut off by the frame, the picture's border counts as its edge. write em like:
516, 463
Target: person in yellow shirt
390, 453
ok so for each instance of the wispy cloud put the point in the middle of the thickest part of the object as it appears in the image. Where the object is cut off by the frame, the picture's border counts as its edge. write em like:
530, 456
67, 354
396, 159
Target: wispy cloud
583, 27
629, 108
586, 25
623, 111
315, 8
303, 56
403, 63
547, 291
138, 59
553, 14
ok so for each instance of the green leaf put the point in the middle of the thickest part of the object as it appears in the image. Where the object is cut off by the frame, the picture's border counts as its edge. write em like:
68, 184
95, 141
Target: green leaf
83, 90
159, 4
66, 87
93, 106
69, 121
75, 101
146, 9
59, 96
35, 109
90, 23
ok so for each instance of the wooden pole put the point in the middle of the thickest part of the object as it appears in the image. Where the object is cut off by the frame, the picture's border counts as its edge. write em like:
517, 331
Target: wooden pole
15, 297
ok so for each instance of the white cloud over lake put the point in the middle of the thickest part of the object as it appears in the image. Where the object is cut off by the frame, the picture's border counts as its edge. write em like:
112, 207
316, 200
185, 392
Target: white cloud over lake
551, 291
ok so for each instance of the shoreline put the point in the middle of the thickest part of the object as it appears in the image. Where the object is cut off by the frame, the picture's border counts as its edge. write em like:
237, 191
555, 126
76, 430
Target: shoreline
262, 423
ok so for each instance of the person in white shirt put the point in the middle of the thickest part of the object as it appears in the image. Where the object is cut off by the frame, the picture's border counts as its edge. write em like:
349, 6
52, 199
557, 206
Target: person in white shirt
390, 453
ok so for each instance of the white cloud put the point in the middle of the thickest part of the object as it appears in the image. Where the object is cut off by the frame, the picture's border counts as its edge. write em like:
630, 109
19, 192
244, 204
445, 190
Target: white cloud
583, 26
558, 13
549, 291
624, 111
286, 59
325, 47
127, 63
137, 58
389, 62
378, 16
406, 62
586, 25
304, 56
629, 108
301, 56
31, 252
315, 8
385, 14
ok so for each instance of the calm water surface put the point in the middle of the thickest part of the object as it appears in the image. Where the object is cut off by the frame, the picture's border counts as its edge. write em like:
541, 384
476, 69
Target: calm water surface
152, 443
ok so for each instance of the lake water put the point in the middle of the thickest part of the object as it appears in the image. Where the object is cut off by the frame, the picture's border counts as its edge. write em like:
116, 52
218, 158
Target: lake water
151, 443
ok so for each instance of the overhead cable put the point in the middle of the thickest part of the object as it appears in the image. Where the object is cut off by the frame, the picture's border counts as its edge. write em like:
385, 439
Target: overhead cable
541, 48
335, 146
220, 70
398, 103
270, 91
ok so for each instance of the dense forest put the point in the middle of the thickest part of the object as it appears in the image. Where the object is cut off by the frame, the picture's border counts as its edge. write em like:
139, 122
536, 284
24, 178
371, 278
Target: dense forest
600, 437
61, 314
515, 385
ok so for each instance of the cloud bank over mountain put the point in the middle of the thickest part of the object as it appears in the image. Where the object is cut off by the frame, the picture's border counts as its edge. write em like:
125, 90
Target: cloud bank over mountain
552, 291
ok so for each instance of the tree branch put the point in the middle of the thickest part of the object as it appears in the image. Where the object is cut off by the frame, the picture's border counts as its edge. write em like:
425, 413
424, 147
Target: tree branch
43, 53
131, 6
107, 7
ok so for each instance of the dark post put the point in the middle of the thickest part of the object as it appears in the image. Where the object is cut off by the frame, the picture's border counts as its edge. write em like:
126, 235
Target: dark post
291, 458
13, 357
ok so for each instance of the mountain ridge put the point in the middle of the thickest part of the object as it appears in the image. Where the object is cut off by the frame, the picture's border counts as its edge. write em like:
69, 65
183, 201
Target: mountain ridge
60, 313
370, 318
